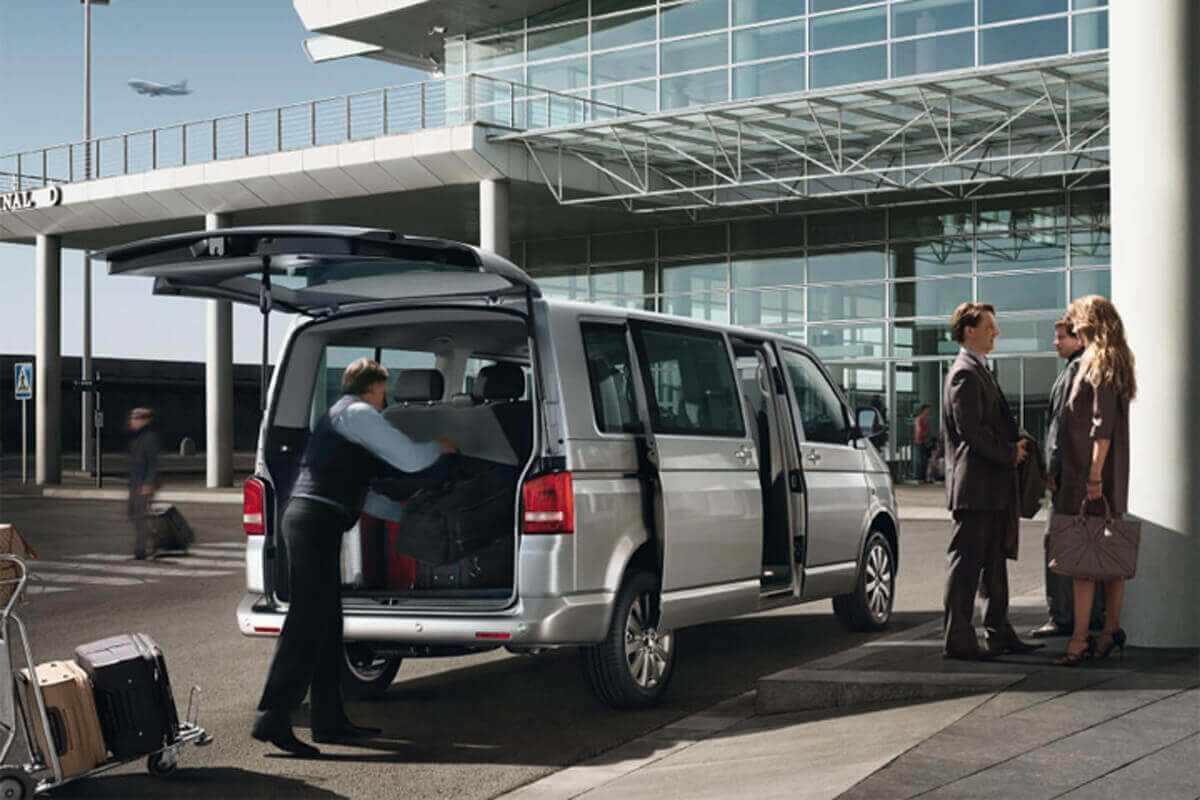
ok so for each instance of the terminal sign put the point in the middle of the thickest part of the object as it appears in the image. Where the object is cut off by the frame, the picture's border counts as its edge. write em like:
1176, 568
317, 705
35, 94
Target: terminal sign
23, 380
30, 198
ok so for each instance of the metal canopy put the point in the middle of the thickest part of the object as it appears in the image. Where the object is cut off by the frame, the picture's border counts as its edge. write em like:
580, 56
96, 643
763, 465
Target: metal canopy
952, 133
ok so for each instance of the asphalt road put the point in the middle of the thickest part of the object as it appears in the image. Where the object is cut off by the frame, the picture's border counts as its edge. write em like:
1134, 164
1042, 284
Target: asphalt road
469, 727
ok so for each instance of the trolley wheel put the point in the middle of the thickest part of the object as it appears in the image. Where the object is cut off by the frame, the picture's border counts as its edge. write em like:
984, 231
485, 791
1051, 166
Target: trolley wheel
15, 784
162, 764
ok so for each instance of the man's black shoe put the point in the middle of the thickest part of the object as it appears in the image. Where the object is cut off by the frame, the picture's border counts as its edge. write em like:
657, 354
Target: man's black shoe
267, 729
969, 655
347, 730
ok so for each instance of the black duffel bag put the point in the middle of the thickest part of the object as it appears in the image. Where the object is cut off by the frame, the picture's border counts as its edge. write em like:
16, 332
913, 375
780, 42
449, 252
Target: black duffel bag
489, 567
457, 516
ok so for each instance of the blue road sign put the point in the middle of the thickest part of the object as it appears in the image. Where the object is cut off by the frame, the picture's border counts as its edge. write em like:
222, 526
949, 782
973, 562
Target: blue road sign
23, 380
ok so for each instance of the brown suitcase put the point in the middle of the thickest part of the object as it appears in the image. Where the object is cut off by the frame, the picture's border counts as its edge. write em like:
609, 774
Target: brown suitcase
71, 709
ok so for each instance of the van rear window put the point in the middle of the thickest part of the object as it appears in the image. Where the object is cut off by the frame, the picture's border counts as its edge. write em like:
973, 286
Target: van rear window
610, 375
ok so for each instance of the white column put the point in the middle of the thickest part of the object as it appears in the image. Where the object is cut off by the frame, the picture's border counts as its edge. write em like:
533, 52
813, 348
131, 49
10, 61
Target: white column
218, 382
87, 444
1154, 107
47, 383
493, 216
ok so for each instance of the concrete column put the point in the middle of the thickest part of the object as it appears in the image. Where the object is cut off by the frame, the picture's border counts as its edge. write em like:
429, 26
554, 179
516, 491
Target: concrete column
493, 216
218, 382
87, 444
47, 383
1155, 112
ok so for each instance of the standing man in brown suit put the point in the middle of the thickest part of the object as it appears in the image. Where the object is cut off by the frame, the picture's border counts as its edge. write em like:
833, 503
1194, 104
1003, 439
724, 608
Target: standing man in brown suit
982, 451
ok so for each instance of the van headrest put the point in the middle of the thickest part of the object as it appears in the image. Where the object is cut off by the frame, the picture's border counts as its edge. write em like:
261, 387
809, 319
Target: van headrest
499, 382
462, 400
418, 385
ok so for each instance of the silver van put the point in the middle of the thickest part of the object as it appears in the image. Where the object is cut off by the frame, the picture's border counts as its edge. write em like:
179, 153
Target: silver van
670, 472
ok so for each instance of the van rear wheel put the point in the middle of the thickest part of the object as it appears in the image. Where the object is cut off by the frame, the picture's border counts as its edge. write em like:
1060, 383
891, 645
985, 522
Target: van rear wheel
632, 667
365, 674
869, 607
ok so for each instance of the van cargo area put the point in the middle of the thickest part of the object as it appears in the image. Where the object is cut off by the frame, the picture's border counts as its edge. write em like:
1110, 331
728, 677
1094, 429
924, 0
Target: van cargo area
448, 533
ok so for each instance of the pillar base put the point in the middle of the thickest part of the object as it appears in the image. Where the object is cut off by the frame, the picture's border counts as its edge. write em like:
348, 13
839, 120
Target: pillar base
1162, 602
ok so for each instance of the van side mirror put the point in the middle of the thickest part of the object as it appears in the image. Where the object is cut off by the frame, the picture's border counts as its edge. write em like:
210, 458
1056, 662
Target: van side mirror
871, 423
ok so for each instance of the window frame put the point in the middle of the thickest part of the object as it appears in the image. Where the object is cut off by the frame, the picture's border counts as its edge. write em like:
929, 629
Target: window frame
848, 422
635, 428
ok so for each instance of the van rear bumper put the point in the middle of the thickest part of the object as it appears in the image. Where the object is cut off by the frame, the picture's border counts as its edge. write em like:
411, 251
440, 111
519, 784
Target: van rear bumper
578, 619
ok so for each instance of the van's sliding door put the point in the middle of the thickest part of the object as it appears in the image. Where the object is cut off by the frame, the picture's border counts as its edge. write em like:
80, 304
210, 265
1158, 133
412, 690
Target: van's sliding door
708, 468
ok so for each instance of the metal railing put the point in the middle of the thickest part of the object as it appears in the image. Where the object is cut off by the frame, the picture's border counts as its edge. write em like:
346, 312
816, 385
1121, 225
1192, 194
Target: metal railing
332, 120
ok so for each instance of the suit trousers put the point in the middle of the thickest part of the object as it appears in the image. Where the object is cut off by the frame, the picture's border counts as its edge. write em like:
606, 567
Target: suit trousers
309, 652
139, 506
976, 564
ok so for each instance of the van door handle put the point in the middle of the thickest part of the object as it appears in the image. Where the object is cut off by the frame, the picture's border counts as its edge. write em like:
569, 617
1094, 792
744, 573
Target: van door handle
743, 454
813, 457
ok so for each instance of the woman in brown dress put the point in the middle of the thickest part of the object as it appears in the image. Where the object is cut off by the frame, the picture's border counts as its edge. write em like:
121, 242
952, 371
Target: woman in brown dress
1096, 454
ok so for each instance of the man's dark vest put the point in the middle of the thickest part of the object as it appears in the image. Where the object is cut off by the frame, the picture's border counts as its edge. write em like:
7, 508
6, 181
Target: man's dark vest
335, 468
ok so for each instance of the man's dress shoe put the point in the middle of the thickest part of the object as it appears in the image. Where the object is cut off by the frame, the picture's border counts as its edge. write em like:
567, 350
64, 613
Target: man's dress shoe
268, 729
1049, 628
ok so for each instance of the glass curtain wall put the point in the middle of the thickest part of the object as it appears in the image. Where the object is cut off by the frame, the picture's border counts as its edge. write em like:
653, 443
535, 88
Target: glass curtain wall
647, 56
870, 292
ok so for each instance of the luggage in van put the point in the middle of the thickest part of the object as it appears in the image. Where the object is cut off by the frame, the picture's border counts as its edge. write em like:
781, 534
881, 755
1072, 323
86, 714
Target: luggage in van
383, 566
489, 567
71, 710
168, 528
133, 693
456, 517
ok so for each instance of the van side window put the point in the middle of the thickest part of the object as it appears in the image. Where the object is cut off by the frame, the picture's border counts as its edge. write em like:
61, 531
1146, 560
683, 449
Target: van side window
611, 377
821, 411
693, 392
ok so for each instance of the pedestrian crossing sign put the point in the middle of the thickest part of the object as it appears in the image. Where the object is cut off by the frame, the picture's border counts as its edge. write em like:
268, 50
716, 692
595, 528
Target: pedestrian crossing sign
23, 380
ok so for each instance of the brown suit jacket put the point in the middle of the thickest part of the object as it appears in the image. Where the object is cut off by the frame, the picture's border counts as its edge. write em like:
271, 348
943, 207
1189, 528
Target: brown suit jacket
980, 439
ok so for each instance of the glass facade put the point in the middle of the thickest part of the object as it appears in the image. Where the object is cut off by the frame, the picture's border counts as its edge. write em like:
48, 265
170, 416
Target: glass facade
649, 56
870, 292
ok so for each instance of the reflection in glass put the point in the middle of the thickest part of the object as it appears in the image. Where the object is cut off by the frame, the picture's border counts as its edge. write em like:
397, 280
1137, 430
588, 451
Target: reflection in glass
456, 56
768, 307
768, 271
632, 96
1022, 213
696, 89
624, 246
1026, 334
1024, 292
612, 6
570, 285
696, 53
1090, 208
566, 40
694, 17
621, 65
848, 66
498, 52
541, 254
827, 303
933, 54
929, 298
1090, 32
767, 41
923, 339
768, 78
1035, 401
1028, 40
712, 307
760, 234
846, 341
625, 29
917, 259
559, 76
867, 226
916, 383
696, 239
622, 282
704, 276
928, 16
577, 9
846, 265
853, 27
747, 11
1042, 250
1002, 10
1091, 247
1091, 281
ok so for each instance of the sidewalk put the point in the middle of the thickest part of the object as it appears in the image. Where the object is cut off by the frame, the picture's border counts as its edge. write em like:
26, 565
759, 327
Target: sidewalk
1015, 727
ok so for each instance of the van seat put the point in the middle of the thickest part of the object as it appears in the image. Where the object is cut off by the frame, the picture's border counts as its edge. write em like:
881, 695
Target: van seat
501, 387
418, 386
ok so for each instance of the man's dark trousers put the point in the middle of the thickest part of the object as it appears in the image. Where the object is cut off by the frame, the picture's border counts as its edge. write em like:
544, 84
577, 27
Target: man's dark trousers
309, 651
976, 547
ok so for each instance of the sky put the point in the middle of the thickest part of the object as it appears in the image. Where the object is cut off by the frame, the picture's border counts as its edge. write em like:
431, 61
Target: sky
237, 55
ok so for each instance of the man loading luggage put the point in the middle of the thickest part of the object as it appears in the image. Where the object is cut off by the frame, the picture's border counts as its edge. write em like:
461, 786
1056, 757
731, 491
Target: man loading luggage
350, 445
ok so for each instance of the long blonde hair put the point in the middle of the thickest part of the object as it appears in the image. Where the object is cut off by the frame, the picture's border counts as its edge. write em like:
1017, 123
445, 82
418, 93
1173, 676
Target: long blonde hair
1107, 357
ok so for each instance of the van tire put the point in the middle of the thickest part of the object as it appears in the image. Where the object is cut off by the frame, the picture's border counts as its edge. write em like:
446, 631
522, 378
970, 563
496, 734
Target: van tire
869, 607
365, 676
636, 677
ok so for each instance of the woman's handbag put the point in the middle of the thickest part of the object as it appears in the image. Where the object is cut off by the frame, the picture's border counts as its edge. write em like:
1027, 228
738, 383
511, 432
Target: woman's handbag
1094, 547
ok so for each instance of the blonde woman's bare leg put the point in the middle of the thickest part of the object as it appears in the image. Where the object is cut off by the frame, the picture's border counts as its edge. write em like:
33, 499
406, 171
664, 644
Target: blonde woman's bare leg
1078, 647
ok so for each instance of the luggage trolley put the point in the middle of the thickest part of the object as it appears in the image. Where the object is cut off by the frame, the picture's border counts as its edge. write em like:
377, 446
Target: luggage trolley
22, 781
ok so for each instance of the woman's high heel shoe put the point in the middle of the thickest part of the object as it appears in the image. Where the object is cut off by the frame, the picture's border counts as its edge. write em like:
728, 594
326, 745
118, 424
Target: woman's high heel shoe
1118, 643
1073, 659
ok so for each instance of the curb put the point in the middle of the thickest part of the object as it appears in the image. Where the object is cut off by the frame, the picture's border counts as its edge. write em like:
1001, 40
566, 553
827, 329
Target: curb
799, 689
220, 496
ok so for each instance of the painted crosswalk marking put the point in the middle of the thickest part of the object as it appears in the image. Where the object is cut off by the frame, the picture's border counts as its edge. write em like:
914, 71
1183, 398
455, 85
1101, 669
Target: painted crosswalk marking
213, 559
188, 560
124, 569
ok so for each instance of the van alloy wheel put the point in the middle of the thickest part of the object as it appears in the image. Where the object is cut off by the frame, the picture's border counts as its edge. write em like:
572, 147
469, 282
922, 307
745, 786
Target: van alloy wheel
647, 652
878, 580
869, 606
366, 674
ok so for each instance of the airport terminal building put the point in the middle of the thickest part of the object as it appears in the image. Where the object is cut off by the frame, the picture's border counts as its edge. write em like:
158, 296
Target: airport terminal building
843, 171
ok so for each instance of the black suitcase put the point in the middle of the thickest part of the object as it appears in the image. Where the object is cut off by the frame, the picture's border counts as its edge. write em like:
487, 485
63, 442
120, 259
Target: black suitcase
133, 694
490, 567
169, 529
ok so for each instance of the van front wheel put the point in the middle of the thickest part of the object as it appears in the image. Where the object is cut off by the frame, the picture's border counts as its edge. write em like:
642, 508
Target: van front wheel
633, 665
870, 606
365, 674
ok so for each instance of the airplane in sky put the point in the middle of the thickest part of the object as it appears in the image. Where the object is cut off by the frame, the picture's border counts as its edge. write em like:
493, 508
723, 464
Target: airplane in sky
156, 89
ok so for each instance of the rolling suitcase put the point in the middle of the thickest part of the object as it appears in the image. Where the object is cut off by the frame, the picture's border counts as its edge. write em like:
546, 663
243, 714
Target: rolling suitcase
168, 528
71, 709
133, 694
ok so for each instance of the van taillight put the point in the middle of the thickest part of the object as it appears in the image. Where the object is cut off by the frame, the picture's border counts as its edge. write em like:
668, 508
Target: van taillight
252, 507
549, 504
